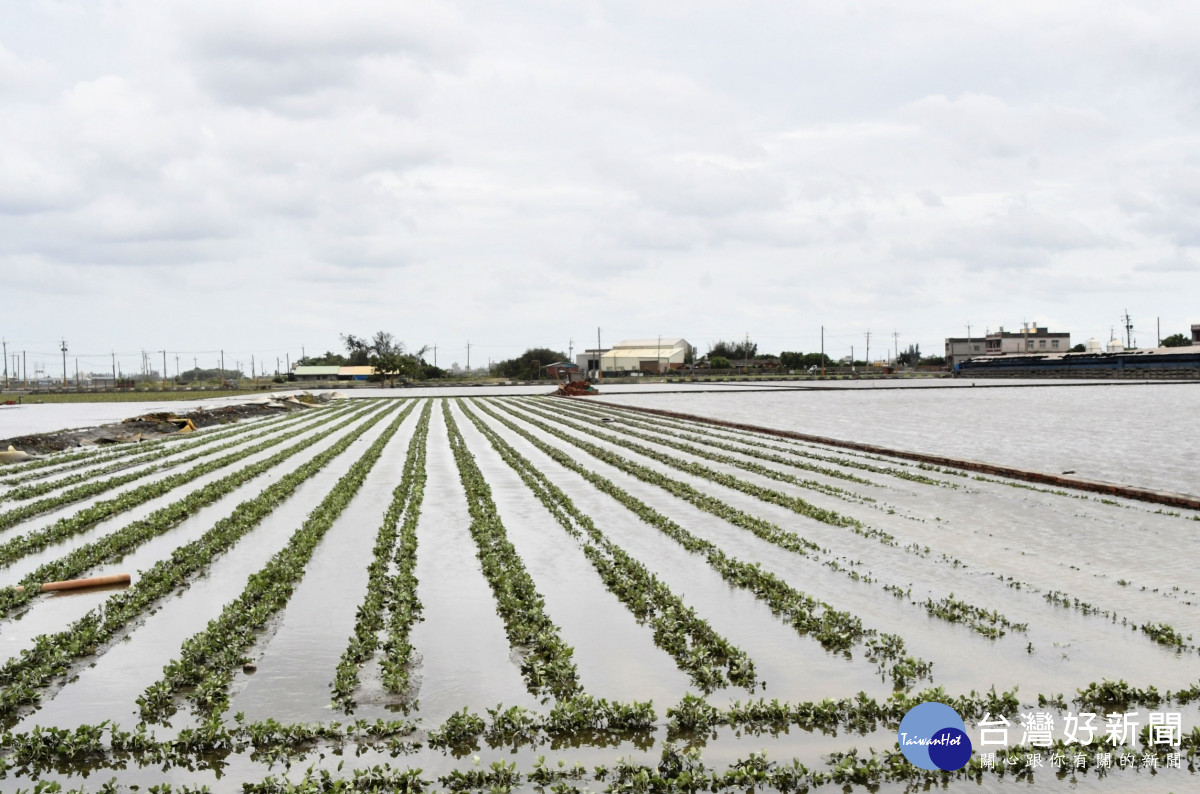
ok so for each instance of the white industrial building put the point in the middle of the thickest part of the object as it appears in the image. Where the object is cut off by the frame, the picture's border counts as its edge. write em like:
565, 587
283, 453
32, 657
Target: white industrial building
646, 355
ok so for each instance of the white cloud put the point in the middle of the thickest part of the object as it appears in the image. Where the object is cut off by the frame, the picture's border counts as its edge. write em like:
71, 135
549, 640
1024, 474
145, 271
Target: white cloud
519, 173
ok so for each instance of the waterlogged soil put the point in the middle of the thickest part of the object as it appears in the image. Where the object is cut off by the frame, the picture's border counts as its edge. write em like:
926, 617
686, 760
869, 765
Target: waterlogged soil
115, 681
464, 656
295, 667
1024, 552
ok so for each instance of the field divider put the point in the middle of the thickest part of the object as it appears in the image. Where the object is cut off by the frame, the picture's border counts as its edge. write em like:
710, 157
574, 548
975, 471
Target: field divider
548, 666
834, 629
23, 545
23, 678
708, 658
207, 659
392, 593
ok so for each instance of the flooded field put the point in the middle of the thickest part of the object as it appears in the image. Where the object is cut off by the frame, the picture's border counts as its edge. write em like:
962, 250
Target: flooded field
509, 591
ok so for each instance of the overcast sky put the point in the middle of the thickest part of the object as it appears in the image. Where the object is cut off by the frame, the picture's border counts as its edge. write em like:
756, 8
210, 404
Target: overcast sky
263, 176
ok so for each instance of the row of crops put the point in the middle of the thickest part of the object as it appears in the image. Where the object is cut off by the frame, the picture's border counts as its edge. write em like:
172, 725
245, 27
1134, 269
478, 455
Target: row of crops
438, 593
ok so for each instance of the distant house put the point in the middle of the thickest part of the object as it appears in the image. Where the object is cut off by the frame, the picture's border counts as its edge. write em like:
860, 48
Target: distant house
355, 373
589, 359
316, 372
646, 355
1196, 334
1032, 338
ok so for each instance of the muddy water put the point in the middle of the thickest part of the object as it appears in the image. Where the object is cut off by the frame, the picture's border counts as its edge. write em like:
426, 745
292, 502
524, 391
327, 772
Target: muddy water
111, 685
616, 657
296, 664
794, 667
1114, 433
465, 658
55, 612
996, 525
963, 659
102, 528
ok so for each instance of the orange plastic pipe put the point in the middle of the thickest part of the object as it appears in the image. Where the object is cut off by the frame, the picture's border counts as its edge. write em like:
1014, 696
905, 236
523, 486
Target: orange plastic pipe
79, 584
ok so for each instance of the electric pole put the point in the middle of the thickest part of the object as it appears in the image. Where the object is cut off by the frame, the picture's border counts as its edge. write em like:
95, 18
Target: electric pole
5, 343
221, 377
896, 341
1128, 331
64, 352
868, 355
822, 351
468, 358
571, 350
164, 355
599, 356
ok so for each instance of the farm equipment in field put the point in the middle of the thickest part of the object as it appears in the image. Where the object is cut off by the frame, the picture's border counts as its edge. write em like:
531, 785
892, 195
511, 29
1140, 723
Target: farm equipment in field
573, 383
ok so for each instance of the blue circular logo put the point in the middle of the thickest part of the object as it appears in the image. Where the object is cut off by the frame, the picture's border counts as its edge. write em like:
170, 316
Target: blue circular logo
932, 736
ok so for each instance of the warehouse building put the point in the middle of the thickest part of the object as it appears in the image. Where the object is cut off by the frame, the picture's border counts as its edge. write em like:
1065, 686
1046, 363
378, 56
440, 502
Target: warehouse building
646, 355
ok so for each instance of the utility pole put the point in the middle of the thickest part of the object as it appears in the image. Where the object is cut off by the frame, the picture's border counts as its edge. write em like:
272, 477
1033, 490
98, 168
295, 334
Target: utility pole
435, 355
24, 372
77, 372
822, 351
5, 343
1158, 331
64, 352
221, 377
599, 356
571, 350
164, 355
253, 374
852, 358
896, 341
968, 341
176, 369
868, 355
1128, 331
468, 358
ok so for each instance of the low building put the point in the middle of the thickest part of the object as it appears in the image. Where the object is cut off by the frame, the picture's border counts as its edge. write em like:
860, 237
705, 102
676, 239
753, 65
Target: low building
1032, 338
1196, 334
589, 360
321, 372
646, 355
355, 373
960, 349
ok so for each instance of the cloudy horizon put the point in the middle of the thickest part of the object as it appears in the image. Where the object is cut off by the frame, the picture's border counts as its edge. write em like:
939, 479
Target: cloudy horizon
262, 177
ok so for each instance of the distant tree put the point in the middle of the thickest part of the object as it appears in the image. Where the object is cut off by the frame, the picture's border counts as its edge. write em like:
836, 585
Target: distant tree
326, 359
529, 365
718, 362
909, 357
359, 350
794, 360
736, 351
1078, 349
933, 361
1176, 340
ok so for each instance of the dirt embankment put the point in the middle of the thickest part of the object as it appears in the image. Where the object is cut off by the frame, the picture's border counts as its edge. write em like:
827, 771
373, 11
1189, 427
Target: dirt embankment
157, 425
